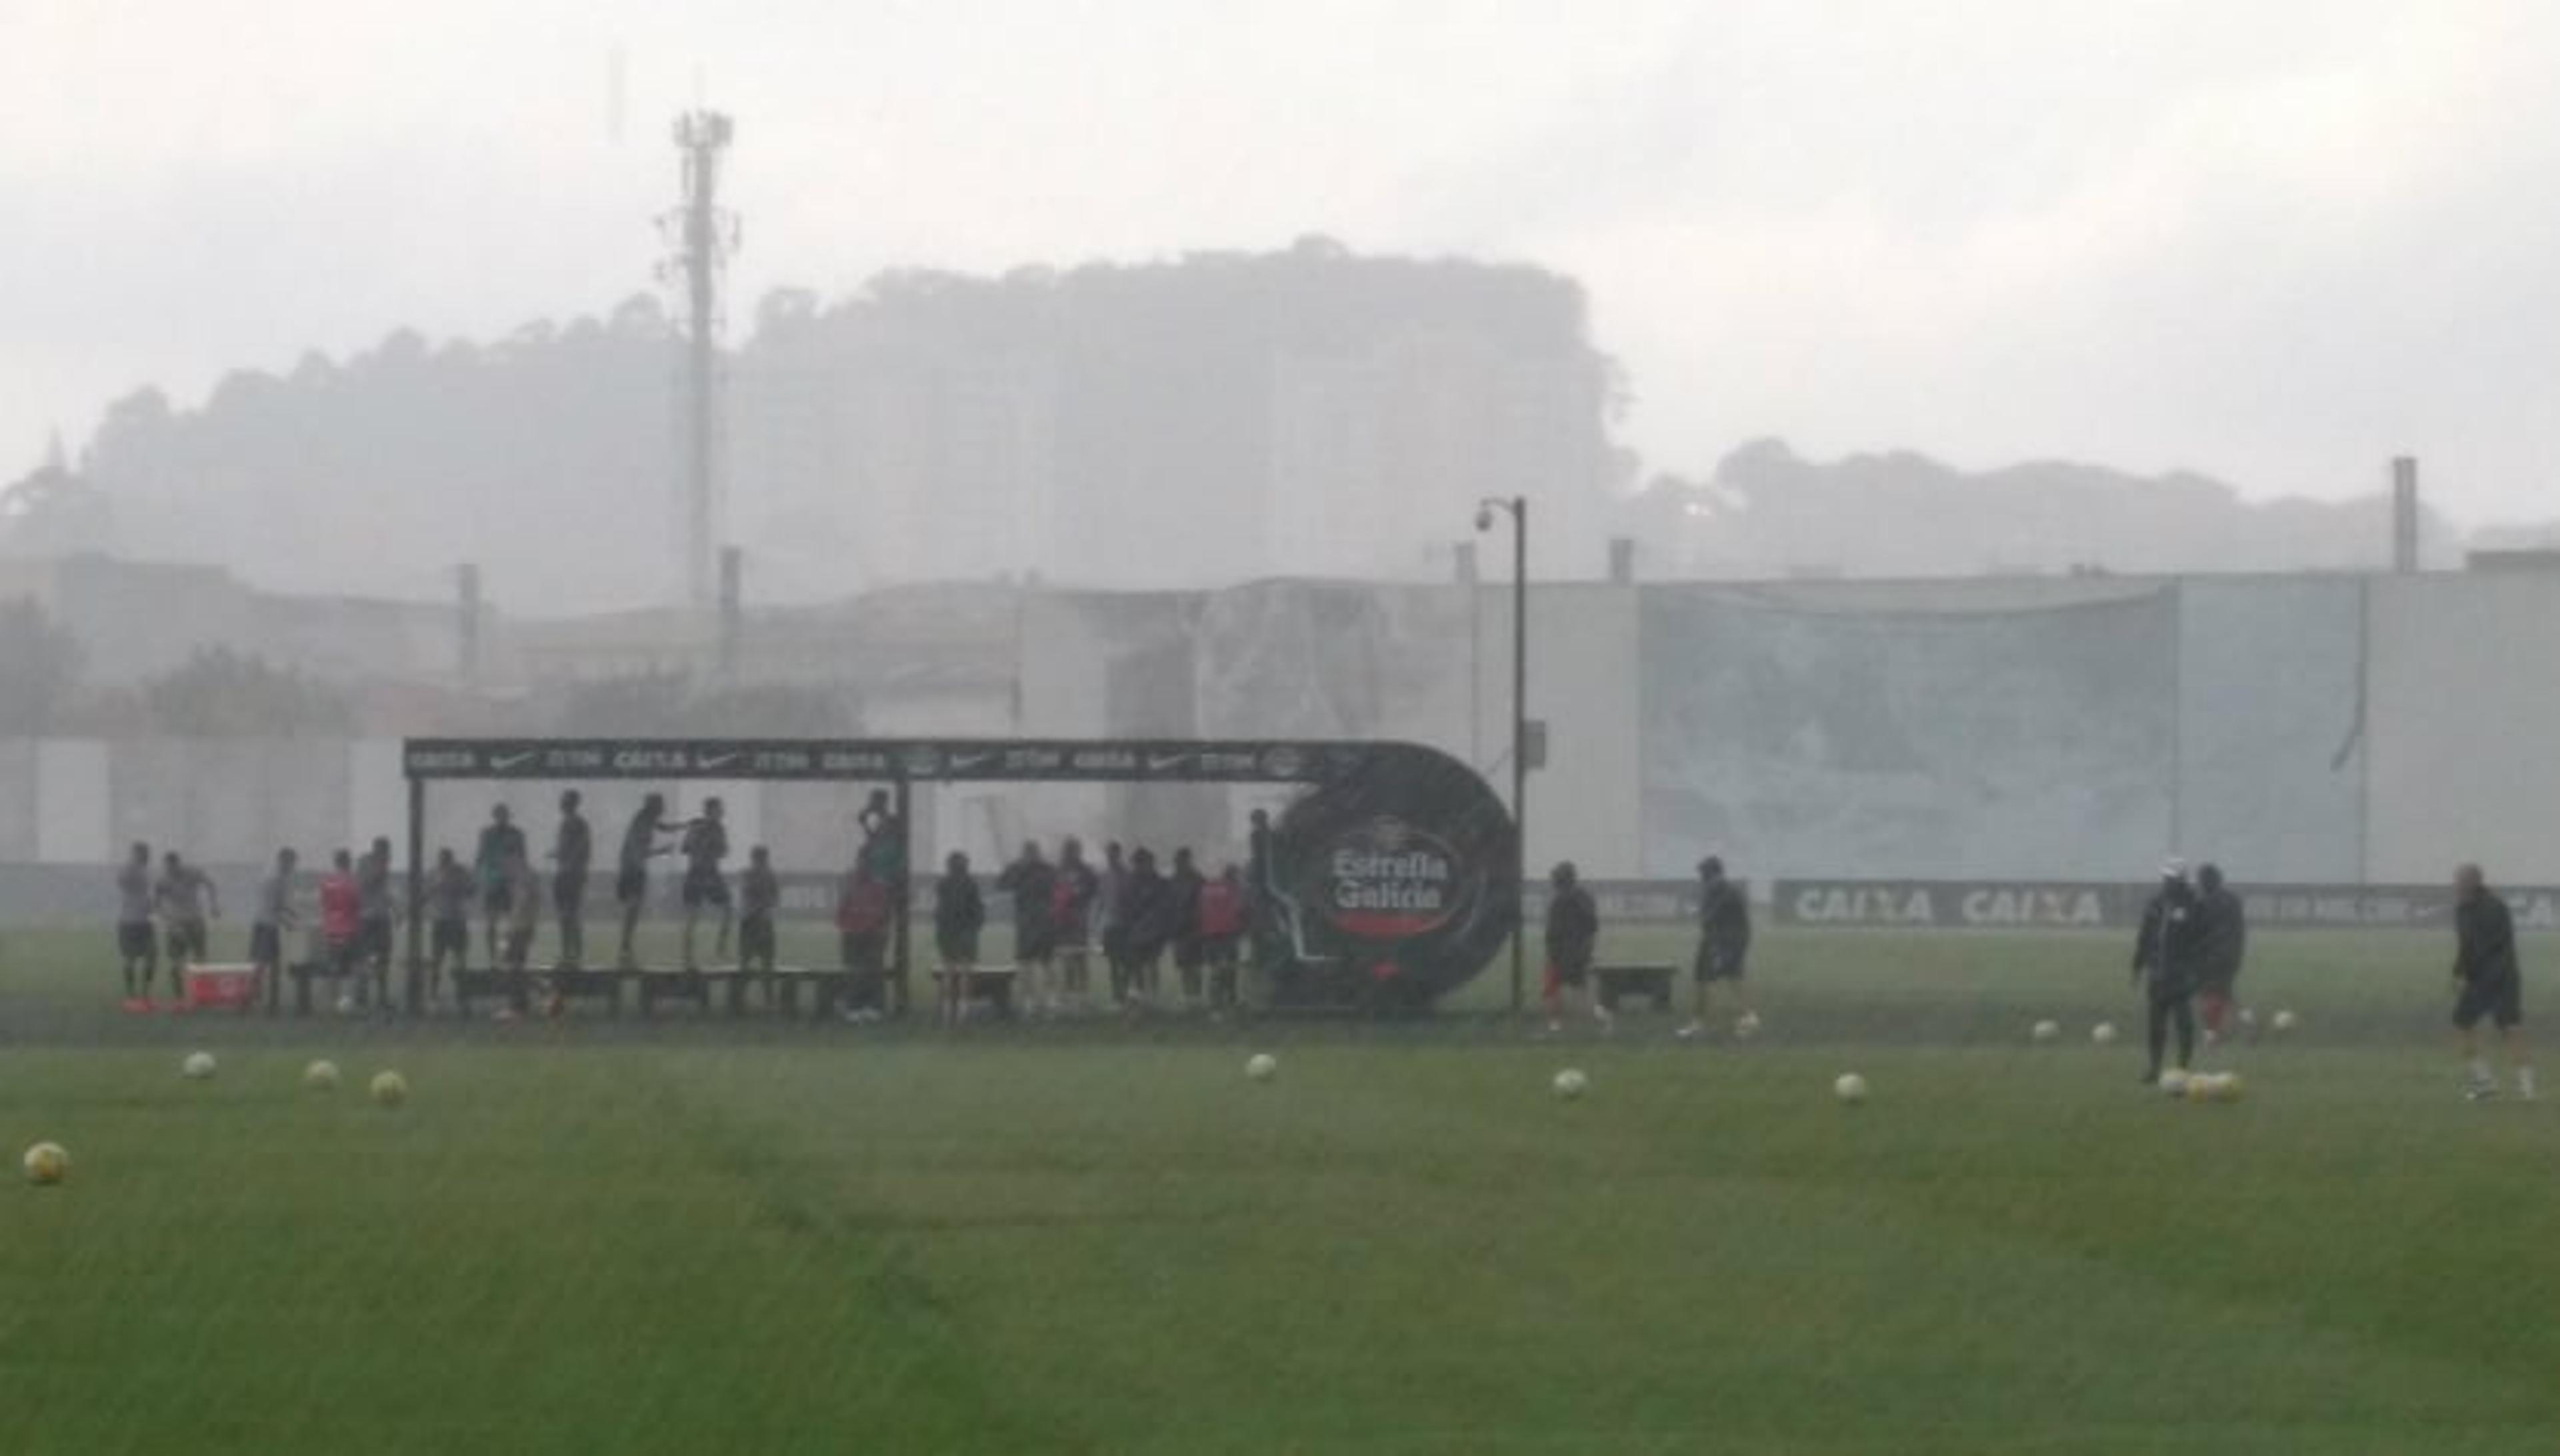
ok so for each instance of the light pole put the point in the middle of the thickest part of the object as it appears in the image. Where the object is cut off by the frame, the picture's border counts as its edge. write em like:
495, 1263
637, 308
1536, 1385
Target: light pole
1516, 507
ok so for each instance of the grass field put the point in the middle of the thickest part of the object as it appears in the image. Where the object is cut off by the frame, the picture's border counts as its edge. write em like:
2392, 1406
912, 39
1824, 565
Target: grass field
696, 1237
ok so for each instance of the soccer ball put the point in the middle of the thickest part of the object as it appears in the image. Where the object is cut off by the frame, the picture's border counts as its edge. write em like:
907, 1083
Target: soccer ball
1571, 1083
1850, 1089
391, 1088
1261, 1066
2227, 1087
2048, 1030
1747, 1025
2202, 1086
2248, 1019
2174, 1082
2283, 1021
2104, 1034
321, 1076
197, 1066
47, 1163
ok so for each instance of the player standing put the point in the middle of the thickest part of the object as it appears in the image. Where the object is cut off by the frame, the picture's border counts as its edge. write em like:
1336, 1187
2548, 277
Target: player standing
1072, 913
1221, 929
342, 921
759, 895
959, 915
501, 844
135, 944
1572, 938
1723, 940
448, 897
1184, 886
706, 849
631, 870
2489, 982
1034, 887
267, 930
373, 901
187, 901
2165, 962
2225, 944
572, 850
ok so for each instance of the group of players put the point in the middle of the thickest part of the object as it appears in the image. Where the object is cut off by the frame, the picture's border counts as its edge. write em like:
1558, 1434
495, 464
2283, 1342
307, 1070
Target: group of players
2194, 937
1573, 938
1130, 908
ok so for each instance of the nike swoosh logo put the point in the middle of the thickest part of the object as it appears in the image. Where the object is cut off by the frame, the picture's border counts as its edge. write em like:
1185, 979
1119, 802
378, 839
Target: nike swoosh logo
505, 761
1168, 762
968, 761
717, 760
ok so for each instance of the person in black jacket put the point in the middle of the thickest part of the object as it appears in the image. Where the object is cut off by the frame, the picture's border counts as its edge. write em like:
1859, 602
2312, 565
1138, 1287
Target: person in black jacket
1183, 889
1147, 922
959, 915
1723, 940
1572, 936
2167, 960
2225, 944
2487, 981
1032, 883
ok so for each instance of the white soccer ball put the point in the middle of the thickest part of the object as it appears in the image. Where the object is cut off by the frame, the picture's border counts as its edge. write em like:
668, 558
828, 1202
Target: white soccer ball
2048, 1030
1262, 1066
1747, 1025
197, 1066
1850, 1089
2248, 1018
2283, 1020
1571, 1083
321, 1076
2104, 1034
2174, 1082
47, 1163
391, 1088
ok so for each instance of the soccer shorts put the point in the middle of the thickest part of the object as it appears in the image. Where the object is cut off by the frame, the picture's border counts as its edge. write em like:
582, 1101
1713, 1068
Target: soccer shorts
374, 938
1718, 963
497, 901
187, 941
133, 941
957, 947
705, 887
631, 886
2500, 1001
1574, 972
1034, 944
449, 937
265, 945
755, 939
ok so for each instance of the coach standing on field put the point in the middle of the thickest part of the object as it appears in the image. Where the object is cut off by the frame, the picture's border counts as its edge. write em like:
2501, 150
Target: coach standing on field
2166, 957
2488, 982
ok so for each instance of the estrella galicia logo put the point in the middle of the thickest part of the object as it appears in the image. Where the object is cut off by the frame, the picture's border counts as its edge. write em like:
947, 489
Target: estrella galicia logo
921, 762
1384, 880
1284, 762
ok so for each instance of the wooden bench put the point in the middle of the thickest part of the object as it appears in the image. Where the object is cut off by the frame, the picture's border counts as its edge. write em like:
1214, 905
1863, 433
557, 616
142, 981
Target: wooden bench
1653, 980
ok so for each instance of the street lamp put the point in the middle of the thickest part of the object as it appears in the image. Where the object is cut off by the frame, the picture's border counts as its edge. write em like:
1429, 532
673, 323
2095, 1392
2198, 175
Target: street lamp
1516, 507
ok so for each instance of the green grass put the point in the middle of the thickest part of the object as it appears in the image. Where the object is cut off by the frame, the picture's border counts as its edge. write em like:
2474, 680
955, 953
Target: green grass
591, 1238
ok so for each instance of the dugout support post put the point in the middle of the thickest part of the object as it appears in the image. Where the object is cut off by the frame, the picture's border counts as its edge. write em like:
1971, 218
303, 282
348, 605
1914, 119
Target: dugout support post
414, 974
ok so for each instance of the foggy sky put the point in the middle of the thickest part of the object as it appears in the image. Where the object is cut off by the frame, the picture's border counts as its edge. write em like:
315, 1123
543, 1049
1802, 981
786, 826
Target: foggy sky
2277, 241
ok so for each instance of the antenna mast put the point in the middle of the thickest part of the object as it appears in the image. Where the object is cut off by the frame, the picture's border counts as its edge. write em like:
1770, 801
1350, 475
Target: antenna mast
702, 237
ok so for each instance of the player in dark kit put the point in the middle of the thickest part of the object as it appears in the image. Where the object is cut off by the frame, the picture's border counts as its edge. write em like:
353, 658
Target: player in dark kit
704, 848
2168, 954
959, 915
631, 870
501, 844
1572, 936
572, 852
1723, 940
1033, 884
2489, 982
375, 904
135, 945
759, 895
2225, 944
1189, 952
273, 921
448, 899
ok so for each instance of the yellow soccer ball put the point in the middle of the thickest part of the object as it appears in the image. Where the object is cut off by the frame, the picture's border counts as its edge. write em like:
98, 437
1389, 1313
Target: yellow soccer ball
47, 1163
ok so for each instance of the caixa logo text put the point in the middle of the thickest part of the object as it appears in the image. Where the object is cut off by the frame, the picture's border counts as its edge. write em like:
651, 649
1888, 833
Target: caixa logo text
1387, 881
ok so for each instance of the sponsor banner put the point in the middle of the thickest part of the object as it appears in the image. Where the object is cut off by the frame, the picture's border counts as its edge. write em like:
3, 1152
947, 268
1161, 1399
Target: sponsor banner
1015, 760
2034, 905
